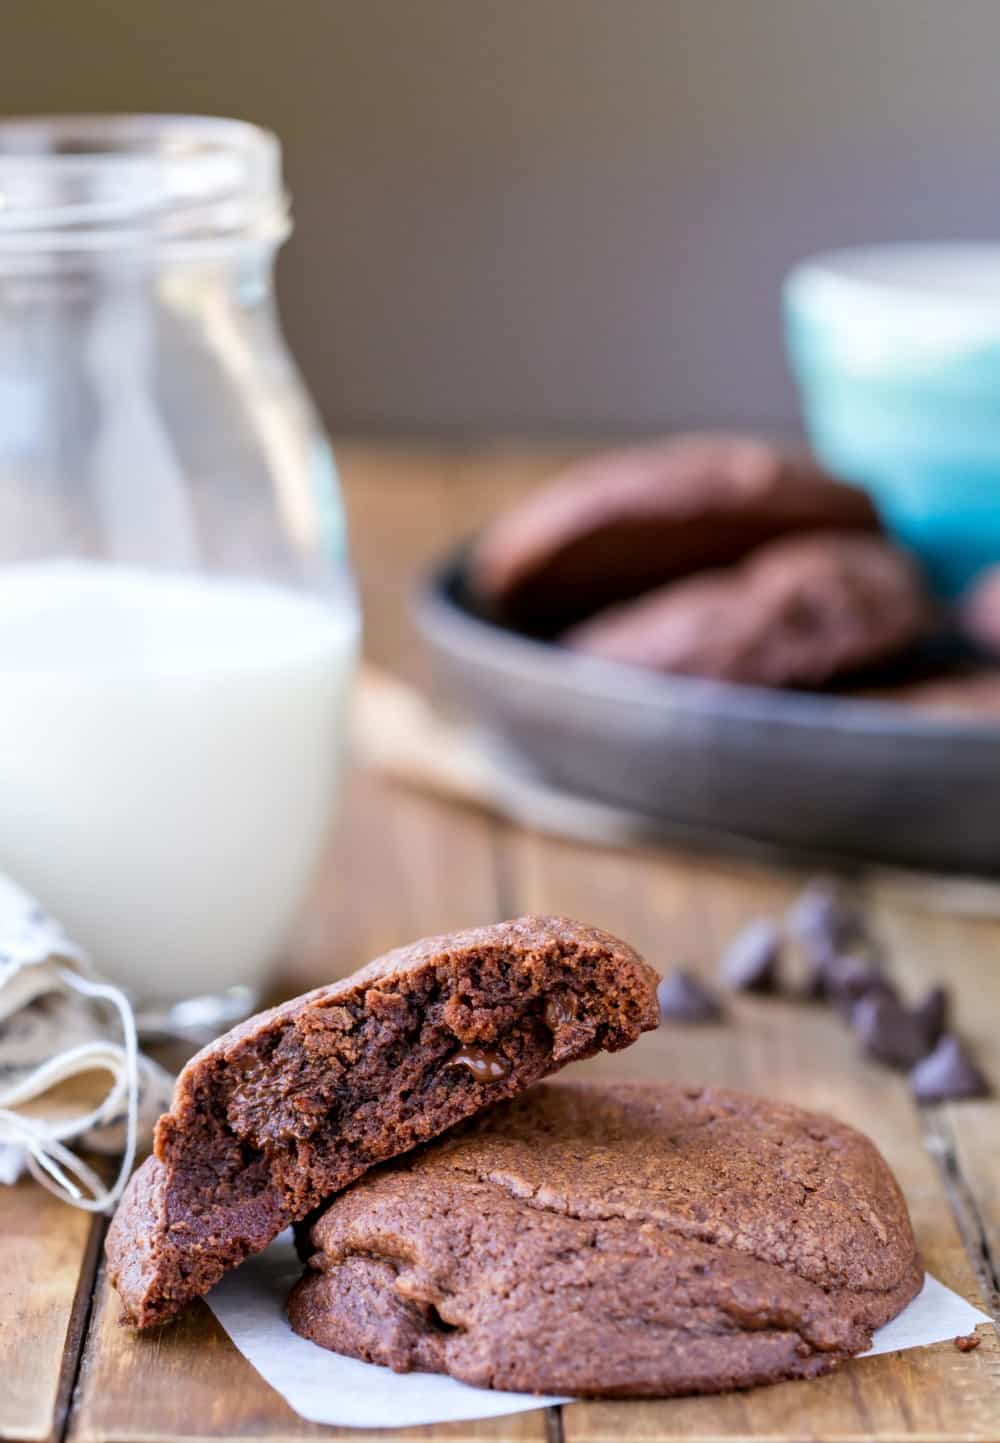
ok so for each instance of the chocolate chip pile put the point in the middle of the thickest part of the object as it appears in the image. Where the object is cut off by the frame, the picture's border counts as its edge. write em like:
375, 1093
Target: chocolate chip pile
845, 967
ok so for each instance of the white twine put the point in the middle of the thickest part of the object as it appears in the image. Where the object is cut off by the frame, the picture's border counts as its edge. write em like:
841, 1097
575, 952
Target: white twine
51, 1034
48, 1160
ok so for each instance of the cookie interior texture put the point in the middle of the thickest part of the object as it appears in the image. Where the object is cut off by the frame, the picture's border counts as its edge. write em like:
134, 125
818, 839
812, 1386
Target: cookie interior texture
296, 1103
618, 524
801, 611
611, 1241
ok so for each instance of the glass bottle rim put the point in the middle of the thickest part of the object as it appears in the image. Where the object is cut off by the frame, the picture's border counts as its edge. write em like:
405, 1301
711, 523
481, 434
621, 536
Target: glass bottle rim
177, 184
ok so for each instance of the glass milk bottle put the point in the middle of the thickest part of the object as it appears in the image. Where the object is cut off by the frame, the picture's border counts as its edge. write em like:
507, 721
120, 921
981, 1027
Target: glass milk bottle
177, 621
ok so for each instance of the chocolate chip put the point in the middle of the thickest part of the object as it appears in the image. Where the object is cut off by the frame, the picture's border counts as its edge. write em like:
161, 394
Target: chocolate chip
824, 922
931, 1015
848, 979
967, 1343
947, 1073
484, 1064
814, 985
750, 962
887, 1031
560, 1009
826, 926
684, 999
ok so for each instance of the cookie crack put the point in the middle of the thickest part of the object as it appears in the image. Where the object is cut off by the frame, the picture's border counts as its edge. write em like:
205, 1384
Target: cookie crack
604, 1213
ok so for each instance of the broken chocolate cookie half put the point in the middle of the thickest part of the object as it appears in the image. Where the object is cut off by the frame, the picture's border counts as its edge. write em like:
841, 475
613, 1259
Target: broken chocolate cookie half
293, 1105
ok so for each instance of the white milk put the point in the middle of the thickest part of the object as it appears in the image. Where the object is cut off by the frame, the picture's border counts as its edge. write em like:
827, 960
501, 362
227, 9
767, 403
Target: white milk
168, 752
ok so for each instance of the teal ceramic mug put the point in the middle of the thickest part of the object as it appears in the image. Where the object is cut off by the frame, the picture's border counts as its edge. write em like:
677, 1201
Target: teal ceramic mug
896, 350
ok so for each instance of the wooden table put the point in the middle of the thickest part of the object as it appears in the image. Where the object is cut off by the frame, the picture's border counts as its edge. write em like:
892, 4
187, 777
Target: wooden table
402, 865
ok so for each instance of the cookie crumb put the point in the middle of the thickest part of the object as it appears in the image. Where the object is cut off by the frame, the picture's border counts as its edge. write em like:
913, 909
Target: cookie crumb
967, 1343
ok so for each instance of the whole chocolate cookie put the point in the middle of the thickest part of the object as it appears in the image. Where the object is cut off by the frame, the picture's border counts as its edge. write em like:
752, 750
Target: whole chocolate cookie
295, 1104
617, 1240
799, 612
619, 524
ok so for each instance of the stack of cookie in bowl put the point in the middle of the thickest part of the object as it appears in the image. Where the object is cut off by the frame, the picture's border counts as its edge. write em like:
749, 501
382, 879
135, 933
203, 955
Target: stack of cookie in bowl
720, 556
460, 1215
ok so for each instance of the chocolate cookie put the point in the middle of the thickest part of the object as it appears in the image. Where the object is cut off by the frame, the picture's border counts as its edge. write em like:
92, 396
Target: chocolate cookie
295, 1104
619, 524
612, 1241
799, 612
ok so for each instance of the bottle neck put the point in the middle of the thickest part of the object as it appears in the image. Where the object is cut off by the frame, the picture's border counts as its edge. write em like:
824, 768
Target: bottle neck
241, 278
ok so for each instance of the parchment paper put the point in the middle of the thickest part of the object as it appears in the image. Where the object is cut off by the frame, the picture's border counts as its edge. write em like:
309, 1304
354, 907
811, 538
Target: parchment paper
326, 1388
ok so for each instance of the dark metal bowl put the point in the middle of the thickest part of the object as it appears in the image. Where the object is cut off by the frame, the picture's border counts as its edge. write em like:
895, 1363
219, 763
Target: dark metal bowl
806, 772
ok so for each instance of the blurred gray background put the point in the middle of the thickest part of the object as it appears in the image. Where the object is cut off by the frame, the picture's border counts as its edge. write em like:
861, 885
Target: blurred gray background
557, 215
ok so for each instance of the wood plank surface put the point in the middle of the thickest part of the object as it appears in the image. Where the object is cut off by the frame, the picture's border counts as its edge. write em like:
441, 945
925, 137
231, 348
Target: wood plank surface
964, 1136
401, 864
49, 1255
408, 505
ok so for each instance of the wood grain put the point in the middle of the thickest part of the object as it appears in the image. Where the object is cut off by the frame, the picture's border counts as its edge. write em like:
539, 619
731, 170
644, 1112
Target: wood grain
49, 1255
399, 866
964, 1137
408, 505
